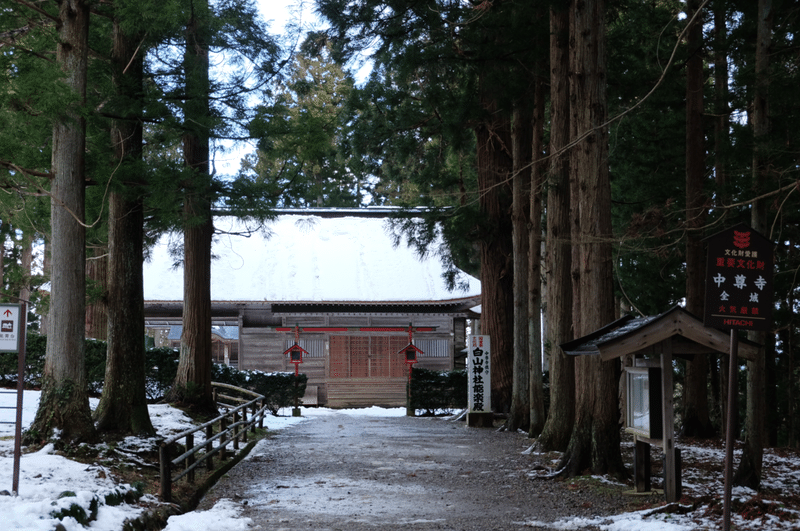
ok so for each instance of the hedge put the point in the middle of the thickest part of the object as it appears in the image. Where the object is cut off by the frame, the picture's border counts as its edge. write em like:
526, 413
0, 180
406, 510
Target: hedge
437, 390
161, 367
278, 388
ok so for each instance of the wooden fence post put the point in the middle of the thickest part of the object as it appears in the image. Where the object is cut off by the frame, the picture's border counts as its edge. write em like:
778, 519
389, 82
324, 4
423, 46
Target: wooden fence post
223, 453
244, 426
209, 447
190, 460
236, 430
166, 473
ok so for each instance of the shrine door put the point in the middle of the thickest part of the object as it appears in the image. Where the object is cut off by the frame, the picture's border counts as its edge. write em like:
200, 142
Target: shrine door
367, 357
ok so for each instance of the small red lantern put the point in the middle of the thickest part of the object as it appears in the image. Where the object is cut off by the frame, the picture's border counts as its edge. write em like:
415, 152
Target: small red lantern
410, 352
295, 352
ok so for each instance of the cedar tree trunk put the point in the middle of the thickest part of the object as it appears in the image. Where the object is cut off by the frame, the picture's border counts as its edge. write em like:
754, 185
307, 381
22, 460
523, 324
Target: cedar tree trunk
696, 422
537, 412
123, 406
595, 440
558, 248
193, 381
494, 169
97, 281
749, 472
522, 133
64, 404
721, 148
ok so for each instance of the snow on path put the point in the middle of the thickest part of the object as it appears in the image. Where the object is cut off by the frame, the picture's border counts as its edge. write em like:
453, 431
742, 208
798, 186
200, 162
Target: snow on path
46, 476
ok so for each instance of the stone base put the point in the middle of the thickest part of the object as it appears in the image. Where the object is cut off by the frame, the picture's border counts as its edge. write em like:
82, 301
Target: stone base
480, 420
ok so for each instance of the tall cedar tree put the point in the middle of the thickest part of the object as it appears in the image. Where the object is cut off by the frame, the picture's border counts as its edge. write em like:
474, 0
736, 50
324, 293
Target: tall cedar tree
558, 250
209, 108
193, 381
717, 366
696, 422
522, 144
536, 205
123, 404
595, 439
64, 404
527, 401
493, 137
749, 472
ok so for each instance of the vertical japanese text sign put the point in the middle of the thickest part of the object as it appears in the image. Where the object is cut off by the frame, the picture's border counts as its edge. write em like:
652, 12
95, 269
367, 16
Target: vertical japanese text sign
739, 280
9, 328
479, 383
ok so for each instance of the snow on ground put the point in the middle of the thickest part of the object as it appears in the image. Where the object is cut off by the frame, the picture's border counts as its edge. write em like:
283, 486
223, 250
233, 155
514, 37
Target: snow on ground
50, 483
775, 508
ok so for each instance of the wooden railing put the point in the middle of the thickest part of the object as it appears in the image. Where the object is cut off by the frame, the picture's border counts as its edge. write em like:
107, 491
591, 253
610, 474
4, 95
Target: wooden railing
220, 433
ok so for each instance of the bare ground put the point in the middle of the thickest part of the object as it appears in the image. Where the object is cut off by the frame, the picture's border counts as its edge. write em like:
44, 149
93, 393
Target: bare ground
358, 473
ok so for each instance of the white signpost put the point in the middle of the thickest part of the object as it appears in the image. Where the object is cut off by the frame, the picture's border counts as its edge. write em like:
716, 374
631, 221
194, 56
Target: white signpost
479, 381
9, 328
12, 339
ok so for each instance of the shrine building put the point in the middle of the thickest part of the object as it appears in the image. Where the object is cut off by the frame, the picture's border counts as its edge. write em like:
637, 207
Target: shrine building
332, 282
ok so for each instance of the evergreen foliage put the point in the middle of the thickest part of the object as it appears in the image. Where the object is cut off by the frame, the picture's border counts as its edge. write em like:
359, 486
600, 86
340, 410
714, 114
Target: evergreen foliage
279, 388
412, 119
406, 136
437, 390
300, 129
161, 366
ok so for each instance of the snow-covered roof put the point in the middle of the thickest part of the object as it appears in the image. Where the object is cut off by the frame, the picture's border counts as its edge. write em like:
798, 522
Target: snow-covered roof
307, 258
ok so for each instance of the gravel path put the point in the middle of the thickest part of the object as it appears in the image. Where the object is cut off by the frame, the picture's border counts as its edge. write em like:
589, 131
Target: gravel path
353, 473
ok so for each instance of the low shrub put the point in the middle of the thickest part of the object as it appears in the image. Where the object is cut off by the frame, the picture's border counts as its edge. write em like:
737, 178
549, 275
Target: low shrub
279, 388
161, 367
437, 390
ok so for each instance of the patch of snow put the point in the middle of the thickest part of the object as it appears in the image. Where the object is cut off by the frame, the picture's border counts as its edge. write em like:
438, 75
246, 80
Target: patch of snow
306, 258
224, 516
49, 482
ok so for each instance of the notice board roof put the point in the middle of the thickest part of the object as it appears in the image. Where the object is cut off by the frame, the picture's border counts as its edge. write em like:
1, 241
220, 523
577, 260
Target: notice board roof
630, 335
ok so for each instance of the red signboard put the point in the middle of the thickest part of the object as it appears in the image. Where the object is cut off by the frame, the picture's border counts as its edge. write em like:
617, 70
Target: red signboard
739, 288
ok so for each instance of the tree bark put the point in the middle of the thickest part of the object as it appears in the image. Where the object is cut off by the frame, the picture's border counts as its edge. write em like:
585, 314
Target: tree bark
749, 472
123, 405
595, 440
537, 411
64, 404
494, 169
558, 249
26, 261
696, 421
193, 381
97, 280
522, 142
721, 148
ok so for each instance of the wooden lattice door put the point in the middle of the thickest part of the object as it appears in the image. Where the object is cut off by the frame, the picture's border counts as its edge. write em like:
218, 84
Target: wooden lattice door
367, 357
